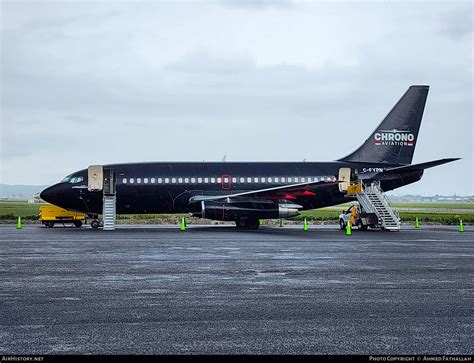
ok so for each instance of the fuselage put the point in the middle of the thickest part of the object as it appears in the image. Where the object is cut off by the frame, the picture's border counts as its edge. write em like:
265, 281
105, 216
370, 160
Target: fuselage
166, 187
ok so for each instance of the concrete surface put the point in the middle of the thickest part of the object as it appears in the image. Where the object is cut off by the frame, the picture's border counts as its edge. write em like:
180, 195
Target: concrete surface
154, 290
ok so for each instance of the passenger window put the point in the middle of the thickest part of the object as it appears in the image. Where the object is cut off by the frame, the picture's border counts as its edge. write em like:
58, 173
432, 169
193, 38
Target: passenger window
255, 180
296, 180
167, 180
186, 180
242, 180
234, 180
206, 180
132, 180
282, 179
269, 180
180, 180
173, 180
276, 179
153, 180
249, 180
124, 180
219, 180
193, 180
289, 180
200, 180
213, 180
160, 180
145, 180
226, 180
139, 180
262, 180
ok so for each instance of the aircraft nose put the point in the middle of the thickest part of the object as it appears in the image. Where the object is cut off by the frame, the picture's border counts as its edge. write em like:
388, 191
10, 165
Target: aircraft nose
51, 194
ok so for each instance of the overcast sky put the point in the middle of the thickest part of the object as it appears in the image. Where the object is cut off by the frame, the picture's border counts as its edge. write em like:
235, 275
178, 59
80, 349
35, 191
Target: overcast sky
89, 82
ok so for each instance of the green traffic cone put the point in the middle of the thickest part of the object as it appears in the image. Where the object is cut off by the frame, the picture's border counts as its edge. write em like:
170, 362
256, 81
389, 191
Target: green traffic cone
260, 222
183, 225
461, 227
281, 223
417, 223
305, 225
18, 225
348, 229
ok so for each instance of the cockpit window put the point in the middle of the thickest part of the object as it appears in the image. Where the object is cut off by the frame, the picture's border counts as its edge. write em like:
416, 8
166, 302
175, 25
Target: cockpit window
76, 179
66, 179
72, 179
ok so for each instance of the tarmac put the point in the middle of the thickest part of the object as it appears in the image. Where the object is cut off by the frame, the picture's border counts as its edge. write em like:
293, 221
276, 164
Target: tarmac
219, 290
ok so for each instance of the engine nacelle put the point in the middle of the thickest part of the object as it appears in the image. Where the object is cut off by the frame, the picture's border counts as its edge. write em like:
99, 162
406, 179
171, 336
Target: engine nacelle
233, 211
288, 210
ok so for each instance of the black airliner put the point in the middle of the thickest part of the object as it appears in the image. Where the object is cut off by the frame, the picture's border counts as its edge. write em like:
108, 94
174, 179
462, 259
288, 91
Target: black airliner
245, 192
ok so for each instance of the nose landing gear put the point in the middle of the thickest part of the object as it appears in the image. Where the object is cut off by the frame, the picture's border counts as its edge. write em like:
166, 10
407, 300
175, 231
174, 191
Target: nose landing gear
95, 224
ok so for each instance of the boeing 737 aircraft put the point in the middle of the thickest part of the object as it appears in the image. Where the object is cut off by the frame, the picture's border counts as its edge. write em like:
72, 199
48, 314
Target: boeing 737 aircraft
245, 192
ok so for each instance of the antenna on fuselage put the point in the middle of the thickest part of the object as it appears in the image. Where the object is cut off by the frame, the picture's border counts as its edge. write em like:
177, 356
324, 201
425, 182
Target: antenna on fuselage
223, 158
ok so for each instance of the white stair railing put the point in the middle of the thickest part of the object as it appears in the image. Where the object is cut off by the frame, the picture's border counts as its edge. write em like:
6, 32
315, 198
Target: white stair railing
373, 200
108, 212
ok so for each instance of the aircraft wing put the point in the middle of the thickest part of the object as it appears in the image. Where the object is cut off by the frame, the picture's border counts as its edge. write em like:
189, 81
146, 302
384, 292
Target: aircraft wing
284, 192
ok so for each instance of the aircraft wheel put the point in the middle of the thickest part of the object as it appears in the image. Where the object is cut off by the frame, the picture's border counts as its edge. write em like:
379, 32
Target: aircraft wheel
361, 226
252, 224
240, 223
95, 224
342, 225
78, 224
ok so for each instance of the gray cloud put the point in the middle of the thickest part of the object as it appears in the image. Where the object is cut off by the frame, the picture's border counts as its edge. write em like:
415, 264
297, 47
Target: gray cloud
457, 23
259, 4
188, 82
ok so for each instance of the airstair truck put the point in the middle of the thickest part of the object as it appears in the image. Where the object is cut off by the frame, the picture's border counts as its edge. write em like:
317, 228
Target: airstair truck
374, 209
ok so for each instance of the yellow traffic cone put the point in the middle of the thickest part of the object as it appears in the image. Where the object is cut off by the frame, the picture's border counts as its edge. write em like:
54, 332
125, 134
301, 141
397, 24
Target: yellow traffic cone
461, 227
348, 229
305, 225
19, 225
183, 225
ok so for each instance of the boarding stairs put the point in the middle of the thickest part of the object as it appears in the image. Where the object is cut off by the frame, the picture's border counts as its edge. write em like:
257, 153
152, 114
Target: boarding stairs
108, 212
373, 200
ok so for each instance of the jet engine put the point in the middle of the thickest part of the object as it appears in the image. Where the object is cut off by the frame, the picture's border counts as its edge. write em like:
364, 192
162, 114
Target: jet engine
241, 210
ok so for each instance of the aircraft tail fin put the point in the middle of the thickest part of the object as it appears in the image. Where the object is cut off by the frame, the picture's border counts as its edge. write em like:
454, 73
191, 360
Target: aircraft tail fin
394, 140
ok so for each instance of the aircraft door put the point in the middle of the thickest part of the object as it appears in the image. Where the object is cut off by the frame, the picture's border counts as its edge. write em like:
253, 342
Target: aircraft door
226, 181
109, 181
345, 178
95, 175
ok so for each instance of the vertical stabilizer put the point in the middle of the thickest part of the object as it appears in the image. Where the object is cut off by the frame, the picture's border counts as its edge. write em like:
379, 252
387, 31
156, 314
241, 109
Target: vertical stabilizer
394, 140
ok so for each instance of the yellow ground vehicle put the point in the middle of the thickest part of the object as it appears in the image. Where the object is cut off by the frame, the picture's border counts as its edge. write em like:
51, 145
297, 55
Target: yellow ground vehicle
50, 214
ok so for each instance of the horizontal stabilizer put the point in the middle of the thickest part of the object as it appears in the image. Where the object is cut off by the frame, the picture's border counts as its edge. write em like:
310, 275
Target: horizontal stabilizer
421, 166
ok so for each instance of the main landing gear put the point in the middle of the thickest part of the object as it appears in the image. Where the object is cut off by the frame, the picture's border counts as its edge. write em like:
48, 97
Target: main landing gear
251, 224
